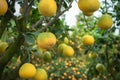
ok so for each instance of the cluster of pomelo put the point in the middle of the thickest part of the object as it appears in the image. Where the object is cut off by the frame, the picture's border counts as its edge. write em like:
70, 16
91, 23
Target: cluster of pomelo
65, 49
47, 40
88, 7
44, 41
28, 71
105, 22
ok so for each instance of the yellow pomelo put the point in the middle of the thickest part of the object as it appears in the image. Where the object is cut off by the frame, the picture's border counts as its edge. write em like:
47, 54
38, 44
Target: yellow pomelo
47, 7
41, 75
3, 46
3, 7
68, 51
88, 40
27, 70
47, 56
66, 41
105, 22
61, 47
88, 13
88, 5
46, 40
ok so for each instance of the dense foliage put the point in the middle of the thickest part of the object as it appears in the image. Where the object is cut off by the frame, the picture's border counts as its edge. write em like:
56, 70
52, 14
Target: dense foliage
19, 42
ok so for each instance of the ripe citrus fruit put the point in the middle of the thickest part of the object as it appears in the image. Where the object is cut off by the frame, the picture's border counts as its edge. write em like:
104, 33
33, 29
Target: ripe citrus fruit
100, 67
27, 70
3, 46
88, 5
68, 51
105, 22
47, 7
47, 56
41, 75
46, 40
3, 7
61, 47
88, 40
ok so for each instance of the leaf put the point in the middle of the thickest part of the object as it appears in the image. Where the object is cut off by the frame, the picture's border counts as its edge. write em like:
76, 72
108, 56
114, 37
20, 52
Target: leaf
29, 39
12, 23
4, 36
65, 4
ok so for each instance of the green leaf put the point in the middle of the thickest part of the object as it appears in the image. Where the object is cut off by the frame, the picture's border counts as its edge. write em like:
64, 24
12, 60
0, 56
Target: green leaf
29, 39
4, 36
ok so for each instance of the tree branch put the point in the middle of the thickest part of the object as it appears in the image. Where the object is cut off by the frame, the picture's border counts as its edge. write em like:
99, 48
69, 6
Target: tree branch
37, 23
10, 52
25, 6
30, 5
28, 9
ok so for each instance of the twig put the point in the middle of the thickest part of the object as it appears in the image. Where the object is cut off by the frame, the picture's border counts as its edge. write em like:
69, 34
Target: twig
31, 2
37, 23
86, 22
29, 7
25, 8
56, 17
